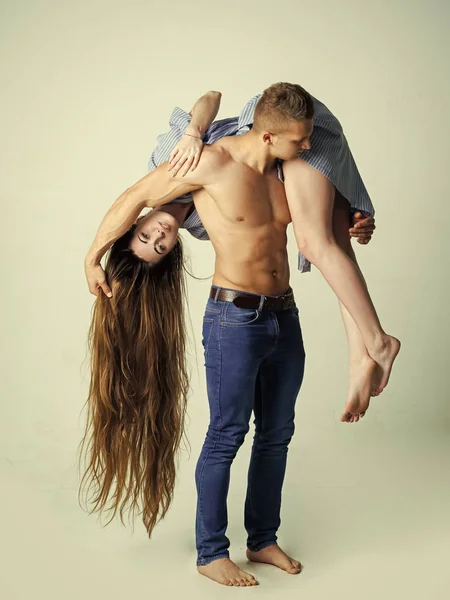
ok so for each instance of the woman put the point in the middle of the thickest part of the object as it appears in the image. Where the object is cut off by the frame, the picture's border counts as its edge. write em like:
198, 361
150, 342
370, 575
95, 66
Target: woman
137, 399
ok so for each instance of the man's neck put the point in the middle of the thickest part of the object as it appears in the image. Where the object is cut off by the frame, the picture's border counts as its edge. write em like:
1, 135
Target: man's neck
251, 151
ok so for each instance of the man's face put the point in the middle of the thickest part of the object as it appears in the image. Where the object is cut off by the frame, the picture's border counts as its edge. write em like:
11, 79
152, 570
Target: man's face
154, 236
294, 139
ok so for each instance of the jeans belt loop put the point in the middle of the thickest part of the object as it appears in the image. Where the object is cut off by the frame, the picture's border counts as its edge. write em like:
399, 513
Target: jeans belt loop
261, 303
218, 290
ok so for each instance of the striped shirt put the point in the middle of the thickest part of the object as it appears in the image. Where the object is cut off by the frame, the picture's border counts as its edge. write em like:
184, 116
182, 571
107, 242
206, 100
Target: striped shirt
329, 154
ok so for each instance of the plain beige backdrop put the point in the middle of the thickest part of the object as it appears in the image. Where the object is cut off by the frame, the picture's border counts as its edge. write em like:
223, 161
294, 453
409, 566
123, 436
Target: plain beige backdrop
86, 87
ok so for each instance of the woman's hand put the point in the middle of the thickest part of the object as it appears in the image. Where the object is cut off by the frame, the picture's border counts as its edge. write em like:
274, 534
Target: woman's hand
96, 279
185, 155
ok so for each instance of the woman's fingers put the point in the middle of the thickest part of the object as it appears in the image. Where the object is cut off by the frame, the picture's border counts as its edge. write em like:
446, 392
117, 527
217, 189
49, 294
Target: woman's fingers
106, 290
187, 165
173, 154
178, 164
186, 155
196, 161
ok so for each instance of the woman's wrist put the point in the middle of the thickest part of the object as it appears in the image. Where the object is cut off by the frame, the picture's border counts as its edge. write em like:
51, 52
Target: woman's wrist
91, 259
194, 131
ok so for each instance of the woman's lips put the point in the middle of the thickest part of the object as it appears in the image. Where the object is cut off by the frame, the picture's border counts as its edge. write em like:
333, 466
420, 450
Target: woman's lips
164, 225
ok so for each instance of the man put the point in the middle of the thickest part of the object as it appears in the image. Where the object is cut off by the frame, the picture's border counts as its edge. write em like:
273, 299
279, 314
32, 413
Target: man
253, 345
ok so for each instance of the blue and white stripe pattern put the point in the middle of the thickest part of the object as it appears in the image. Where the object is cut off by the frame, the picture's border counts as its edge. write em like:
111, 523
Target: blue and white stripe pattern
329, 154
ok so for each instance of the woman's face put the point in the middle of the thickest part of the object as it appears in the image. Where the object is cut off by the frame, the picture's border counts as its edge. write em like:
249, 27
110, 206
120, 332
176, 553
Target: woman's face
154, 236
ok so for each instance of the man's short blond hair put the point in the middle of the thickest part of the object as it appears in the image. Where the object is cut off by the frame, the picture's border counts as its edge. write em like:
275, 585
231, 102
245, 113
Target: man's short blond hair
281, 103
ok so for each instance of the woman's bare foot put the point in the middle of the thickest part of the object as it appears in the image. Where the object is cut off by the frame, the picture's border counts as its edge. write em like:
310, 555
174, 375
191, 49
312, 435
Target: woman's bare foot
224, 571
376, 381
384, 354
362, 373
274, 555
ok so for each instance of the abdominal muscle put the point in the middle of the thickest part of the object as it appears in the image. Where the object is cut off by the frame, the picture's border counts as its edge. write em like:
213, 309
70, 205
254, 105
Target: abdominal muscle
252, 263
249, 241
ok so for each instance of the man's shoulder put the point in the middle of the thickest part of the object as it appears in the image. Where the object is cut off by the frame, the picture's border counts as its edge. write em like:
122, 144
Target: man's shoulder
210, 169
216, 155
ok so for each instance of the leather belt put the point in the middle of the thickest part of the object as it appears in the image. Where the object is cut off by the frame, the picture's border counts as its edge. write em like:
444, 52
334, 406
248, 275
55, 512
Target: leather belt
243, 300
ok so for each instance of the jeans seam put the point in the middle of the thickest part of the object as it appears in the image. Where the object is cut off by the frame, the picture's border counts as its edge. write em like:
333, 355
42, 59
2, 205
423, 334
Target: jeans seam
200, 492
219, 379
262, 546
277, 335
256, 442
202, 562
250, 494
203, 530
208, 320
216, 441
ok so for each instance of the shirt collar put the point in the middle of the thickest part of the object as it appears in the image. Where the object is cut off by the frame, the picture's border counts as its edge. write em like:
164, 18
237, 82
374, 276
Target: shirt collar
247, 113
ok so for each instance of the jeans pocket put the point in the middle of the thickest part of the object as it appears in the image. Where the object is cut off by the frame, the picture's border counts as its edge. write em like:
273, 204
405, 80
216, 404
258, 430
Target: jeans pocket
233, 316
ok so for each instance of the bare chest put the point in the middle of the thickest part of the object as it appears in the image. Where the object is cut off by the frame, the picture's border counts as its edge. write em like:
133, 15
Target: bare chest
250, 199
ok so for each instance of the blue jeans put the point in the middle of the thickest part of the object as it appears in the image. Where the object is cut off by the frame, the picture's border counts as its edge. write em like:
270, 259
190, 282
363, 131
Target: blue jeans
254, 361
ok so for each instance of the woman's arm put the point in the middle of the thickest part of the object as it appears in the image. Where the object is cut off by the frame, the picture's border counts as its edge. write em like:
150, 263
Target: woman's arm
187, 152
203, 113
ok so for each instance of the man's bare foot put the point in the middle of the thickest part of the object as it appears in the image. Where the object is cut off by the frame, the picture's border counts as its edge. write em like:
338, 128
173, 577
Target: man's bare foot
384, 354
224, 571
274, 555
360, 390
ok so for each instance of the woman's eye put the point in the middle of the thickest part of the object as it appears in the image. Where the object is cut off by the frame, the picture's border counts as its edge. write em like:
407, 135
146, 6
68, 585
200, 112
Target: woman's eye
145, 236
162, 248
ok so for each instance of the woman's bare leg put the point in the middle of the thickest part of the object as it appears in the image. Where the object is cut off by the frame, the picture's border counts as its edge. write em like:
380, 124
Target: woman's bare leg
310, 198
362, 368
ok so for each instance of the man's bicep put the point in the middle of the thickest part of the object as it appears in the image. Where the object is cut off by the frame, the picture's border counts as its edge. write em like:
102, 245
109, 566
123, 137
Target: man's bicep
160, 187
208, 171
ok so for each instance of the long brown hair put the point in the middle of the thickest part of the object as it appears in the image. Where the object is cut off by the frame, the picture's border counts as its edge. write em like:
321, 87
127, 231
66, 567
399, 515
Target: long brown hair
138, 388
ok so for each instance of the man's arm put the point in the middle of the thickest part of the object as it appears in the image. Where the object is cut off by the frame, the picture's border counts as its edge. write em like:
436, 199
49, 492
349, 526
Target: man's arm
155, 189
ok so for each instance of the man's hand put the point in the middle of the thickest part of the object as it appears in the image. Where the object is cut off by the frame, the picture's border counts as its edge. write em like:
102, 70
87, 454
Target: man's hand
96, 279
363, 228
